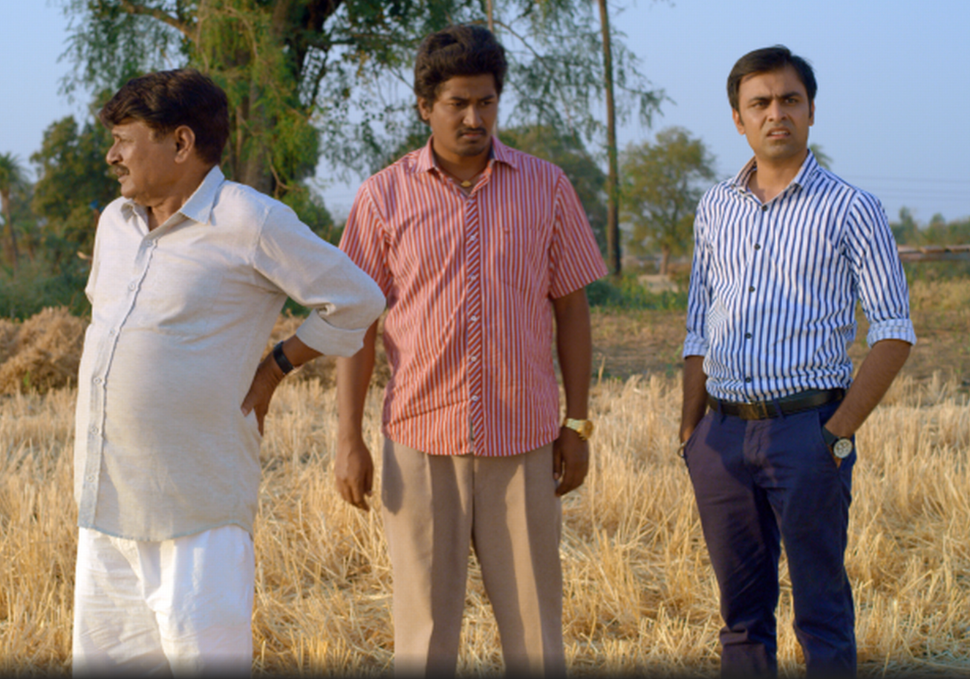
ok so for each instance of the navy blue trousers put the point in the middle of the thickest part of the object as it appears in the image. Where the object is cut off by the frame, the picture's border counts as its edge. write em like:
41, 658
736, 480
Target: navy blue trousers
759, 483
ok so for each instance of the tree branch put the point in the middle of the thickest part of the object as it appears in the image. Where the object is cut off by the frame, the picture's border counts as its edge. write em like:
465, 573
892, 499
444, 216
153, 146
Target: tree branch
157, 14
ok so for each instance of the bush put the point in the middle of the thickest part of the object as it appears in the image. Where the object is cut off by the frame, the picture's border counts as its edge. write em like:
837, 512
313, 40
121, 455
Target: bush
627, 293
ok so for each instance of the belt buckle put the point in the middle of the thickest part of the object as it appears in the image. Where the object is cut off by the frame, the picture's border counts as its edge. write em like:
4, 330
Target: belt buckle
761, 409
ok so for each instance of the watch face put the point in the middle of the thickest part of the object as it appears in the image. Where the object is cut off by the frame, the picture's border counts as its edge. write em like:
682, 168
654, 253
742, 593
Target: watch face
842, 448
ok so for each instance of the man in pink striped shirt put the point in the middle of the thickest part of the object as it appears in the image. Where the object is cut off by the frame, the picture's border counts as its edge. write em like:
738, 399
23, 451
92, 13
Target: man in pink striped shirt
481, 251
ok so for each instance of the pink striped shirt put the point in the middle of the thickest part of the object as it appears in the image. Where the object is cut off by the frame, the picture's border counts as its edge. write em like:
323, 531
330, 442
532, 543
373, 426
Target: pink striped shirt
469, 281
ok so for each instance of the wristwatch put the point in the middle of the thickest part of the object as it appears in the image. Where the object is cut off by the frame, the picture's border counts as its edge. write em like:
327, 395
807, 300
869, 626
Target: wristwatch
582, 427
840, 447
281, 360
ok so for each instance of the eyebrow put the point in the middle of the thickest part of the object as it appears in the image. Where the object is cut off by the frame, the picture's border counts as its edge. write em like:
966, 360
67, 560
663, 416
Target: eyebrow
786, 95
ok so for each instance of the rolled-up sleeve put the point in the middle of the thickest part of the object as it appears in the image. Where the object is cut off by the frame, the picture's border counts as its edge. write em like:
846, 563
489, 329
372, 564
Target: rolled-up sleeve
875, 263
698, 295
344, 301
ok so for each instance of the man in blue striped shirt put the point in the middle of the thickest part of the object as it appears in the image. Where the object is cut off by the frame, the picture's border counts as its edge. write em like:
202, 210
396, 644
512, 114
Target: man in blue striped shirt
782, 252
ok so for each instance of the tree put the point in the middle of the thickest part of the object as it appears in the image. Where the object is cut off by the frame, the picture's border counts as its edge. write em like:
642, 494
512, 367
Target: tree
569, 153
612, 177
73, 186
11, 176
306, 77
662, 183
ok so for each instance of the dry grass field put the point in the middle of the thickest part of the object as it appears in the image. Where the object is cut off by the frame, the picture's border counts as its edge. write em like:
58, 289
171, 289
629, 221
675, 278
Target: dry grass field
640, 597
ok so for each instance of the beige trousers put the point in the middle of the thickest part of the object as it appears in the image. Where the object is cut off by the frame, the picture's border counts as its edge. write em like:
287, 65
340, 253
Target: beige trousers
437, 507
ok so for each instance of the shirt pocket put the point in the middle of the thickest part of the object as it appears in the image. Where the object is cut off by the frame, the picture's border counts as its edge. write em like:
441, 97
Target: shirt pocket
522, 260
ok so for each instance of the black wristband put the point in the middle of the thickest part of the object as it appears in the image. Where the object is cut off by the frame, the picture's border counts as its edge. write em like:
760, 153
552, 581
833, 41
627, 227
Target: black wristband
281, 360
829, 438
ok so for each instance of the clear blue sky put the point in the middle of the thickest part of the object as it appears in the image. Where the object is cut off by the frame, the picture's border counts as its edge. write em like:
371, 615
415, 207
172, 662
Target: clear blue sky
891, 110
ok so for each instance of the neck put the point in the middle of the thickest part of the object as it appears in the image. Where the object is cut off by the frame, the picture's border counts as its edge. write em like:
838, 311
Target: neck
462, 167
771, 178
160, 210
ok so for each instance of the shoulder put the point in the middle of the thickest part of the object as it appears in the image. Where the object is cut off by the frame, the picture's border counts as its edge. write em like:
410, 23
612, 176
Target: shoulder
529, 167
243, 198
836, 189
718, 196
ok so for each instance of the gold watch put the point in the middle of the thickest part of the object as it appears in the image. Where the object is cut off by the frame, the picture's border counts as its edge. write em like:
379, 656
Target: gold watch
582, 427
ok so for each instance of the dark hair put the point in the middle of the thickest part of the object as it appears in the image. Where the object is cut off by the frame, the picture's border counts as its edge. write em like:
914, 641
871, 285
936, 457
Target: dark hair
766, 60
165, 100
461, 50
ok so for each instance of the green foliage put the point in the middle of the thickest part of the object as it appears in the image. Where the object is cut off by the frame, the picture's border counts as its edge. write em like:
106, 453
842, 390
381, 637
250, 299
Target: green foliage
73, 186
38, 284
306, 77
627, 293
569, 153
661, 184
12, 184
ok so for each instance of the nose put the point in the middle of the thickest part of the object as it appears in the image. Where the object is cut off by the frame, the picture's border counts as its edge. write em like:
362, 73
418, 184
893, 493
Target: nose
775, 110
112, 156
473, 118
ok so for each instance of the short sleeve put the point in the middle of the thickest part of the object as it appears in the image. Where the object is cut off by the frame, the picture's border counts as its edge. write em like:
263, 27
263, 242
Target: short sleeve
575, 259
363, 238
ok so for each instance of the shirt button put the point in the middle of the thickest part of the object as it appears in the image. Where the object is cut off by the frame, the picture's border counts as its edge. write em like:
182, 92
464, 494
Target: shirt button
98, 380
474, 318
764, 208
751, 289
132, 285
90, 478
757, 246
747, 335
747, 379
474, 398
93, 429
473, 358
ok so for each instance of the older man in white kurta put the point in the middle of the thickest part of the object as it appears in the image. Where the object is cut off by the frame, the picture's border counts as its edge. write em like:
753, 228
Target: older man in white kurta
188, 277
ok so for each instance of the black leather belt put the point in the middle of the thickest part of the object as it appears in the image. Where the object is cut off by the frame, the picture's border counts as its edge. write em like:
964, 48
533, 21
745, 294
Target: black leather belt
786, 405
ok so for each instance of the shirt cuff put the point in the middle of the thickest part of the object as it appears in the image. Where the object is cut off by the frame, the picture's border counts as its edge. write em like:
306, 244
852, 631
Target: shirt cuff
894, 328
328, 339
694, 345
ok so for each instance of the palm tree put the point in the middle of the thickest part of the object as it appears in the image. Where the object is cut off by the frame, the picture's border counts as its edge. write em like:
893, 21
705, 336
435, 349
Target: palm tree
11, 175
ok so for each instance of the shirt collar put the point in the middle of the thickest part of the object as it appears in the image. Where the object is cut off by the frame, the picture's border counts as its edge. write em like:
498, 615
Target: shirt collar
499, 152
805, 173
199, 206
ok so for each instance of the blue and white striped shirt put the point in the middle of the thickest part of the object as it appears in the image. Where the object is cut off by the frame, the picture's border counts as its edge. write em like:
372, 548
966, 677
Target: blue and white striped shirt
773, 286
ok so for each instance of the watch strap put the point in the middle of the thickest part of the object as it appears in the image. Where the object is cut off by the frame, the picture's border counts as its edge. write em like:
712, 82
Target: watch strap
281, 360
582, 427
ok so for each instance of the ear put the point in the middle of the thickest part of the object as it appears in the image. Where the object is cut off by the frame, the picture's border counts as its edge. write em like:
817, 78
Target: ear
424, 109
184, 139
738, 123
811, 113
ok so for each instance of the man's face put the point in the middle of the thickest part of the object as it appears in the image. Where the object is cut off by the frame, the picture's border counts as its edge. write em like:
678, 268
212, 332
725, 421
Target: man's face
775, 115
462, 117
144, 163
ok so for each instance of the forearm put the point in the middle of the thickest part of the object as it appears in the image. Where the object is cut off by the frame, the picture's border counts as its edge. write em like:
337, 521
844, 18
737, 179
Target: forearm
574, 346
876, 374
297, 352
694, 403
353, 379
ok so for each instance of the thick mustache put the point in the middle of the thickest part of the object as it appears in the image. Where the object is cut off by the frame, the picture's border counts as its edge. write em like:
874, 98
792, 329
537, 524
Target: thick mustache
471, 130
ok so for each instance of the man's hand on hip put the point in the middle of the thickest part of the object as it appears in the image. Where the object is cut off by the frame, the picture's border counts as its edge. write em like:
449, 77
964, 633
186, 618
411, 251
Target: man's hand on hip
267, 378
570, 460
353, 471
